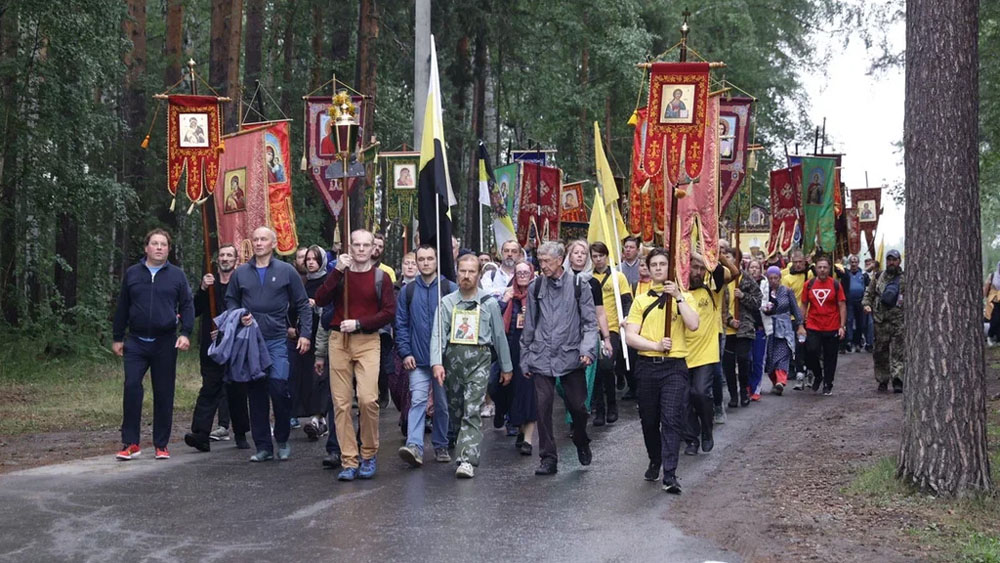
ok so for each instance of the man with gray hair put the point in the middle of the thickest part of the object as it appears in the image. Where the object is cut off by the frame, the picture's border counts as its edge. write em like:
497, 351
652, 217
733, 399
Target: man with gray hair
559, 340
265, 288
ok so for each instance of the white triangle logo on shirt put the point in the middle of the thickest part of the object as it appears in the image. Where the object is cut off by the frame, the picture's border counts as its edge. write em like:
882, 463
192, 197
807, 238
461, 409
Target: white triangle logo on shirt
821, 295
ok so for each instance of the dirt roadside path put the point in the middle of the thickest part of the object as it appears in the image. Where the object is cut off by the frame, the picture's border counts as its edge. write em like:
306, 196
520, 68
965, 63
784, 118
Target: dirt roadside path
777, 493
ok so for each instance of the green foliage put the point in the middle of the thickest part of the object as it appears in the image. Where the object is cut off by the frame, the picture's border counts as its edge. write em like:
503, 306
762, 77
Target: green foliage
552, 69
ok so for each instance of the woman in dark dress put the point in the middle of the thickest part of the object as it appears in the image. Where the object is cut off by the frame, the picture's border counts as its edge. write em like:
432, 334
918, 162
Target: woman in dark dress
523, 407
313, 390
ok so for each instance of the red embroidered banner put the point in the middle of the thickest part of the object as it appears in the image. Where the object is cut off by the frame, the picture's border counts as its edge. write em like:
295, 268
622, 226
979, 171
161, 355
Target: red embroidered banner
321, 149
277, 160
571, 207
698, 212
538, 215
786, 208
678, 94
853, 231
868, 202
645, 203
193, 144
241, 197
734, 140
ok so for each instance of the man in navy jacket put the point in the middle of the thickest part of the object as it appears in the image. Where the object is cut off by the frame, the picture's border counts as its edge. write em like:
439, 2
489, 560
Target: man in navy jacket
415, 308
266, 288
154, 293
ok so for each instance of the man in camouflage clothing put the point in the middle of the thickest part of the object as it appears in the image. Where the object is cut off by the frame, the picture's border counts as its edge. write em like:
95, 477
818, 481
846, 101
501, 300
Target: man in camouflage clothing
465, 325
884, 300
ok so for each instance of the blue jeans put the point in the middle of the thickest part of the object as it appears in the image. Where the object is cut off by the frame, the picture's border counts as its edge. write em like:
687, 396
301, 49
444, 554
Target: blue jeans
757, 361
421, 382
856, 323
271, 389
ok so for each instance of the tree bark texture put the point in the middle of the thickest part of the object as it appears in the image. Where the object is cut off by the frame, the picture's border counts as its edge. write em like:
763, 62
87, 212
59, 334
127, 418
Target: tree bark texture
288, 58
254, 44
944, 444
8, 183
174, 41
472, 205
218, 45
367, 63
316, 71
67, 247
235, 40
134, 109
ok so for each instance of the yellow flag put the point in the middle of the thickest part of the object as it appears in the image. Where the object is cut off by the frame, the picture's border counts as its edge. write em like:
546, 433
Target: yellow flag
880, 257
605, 220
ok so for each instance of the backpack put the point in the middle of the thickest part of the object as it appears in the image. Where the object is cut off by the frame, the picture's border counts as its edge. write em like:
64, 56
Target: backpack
890, 295
577, 291
327, 318
411, 289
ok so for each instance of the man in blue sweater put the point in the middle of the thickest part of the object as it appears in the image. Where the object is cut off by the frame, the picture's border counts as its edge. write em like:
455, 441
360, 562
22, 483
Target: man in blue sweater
154, 293
415, 308
266, 288
857, 321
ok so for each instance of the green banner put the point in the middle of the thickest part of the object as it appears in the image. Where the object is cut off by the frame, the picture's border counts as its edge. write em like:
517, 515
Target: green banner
817, 203
507, 184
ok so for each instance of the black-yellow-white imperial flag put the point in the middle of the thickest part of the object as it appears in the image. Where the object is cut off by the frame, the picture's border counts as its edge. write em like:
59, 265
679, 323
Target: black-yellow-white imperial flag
434, 186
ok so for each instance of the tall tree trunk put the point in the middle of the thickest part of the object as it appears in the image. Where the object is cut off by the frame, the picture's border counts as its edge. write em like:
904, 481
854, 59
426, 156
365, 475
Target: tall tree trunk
316, 71
367, 63
67, 248
174, 41
584, 76
460, 73
235, 30
340, 46
288, 58
8, 184
944, 444
218, 45
134, 111
254, 44
472, 204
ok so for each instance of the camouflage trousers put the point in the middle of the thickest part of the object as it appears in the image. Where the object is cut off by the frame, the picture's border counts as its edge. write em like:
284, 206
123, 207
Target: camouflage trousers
889, 353
468, 371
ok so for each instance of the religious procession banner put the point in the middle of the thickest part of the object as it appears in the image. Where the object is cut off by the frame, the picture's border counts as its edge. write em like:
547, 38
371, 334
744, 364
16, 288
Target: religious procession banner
853, 231
786, 208
492, 195
698, 212
734, 142
868, 202
571, 206
277, 160
538, 211
321, 149
194, 141
508, 185
678, 96
645, 191
241, 192
399, 173
818, 198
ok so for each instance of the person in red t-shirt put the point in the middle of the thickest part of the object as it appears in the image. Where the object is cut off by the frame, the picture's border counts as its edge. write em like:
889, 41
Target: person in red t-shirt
825, 310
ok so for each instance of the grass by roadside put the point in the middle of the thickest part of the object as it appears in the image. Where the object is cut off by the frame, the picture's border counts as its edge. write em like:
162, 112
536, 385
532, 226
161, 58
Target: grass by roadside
40, 394
966, 530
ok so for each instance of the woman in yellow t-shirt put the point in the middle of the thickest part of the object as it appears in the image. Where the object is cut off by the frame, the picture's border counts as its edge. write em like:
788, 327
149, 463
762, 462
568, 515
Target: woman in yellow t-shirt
661, 372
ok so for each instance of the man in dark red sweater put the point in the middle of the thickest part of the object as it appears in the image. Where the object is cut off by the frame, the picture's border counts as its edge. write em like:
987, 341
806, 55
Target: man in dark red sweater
358, 313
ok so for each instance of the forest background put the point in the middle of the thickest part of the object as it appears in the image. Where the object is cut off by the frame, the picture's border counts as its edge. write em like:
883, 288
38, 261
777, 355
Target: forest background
77, 192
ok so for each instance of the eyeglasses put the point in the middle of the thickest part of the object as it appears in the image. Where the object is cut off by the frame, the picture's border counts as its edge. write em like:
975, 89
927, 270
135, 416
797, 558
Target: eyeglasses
523, 274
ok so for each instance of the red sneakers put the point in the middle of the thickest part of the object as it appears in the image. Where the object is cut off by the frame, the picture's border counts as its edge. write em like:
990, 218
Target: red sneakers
162, 453
128, 453
755, 397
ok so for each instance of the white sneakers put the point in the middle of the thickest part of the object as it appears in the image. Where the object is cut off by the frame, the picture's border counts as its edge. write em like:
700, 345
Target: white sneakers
465, 471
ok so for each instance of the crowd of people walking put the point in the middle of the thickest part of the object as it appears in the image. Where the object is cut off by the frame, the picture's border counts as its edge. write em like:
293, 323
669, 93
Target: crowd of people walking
330, 339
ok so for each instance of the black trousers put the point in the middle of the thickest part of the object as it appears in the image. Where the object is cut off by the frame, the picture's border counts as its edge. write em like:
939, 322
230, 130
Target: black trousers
607, 370
263, 393
994, 331
159, 357
574, 384
799, 361
719, 378
386, 363
663, 398
215, 394
821, 354
737, 357
700, 403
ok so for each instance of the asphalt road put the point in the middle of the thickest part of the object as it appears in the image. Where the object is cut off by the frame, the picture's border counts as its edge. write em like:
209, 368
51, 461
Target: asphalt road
218, 507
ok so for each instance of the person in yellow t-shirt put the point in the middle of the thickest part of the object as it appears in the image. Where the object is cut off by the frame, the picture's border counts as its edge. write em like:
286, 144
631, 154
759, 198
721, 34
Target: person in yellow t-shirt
794, 276
609, 367
661, 372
